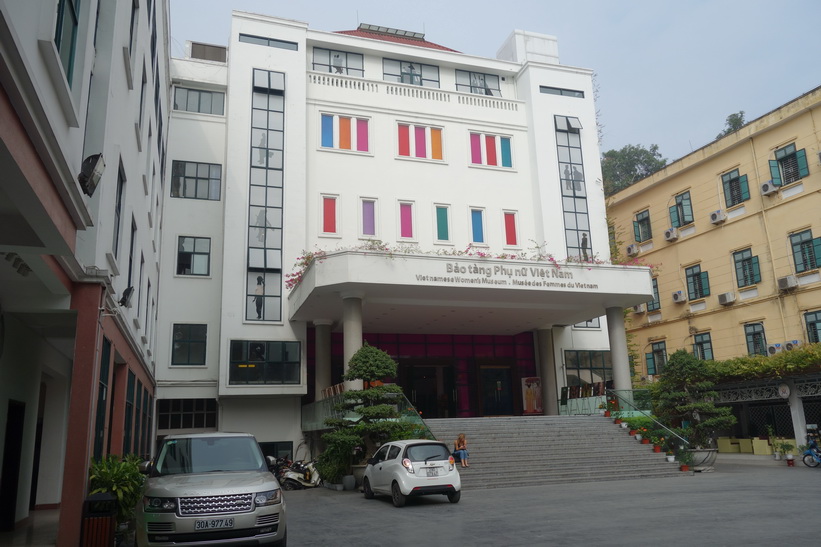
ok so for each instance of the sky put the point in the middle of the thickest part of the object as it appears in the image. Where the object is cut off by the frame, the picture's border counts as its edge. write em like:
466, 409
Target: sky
667, 72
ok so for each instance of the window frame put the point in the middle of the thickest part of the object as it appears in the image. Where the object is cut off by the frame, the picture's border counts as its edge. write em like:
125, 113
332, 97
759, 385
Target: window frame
698, 282
240, 356
408, 142
806, 251
681, 214
747, 270
476, 89
656, 360
510, 224
324, 200
403, 218
200, 94
438, 223
655, 304
753, 333
410, 73
779, 168
194, 253
362, 220
478, 149
812, 321
67, 8
736, 188
481, 214
346, 133
703, 346
178, 188
189, 338
346, 68
642, 228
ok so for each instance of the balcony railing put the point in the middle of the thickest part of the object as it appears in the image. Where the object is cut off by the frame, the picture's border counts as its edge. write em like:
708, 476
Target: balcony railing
411, 91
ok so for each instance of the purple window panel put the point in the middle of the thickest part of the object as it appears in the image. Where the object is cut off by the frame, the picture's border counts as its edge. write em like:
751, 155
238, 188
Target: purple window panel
475, 148
368, 218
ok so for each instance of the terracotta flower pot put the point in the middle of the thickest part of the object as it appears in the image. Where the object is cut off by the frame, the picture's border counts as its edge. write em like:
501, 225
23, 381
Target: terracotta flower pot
656, 448
645, 441
607, 413
633, 432
617, 421
684, 467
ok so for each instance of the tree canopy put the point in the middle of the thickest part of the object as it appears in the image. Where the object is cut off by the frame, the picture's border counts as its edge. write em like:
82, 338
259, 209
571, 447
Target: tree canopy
733, 123
630, 164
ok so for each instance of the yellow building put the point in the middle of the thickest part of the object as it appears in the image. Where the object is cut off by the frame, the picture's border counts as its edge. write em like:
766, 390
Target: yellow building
734, 230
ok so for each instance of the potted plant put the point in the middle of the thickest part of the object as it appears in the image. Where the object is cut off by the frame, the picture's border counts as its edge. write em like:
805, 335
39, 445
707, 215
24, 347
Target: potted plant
371, 416
671, 457
121, 477
684, 397
685, 458
783, 447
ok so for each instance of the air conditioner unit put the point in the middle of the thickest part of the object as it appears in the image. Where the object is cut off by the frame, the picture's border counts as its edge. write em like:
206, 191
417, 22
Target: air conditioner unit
679, 297
632, 250
671, 234
772, 349
717, 217
787, 282
726, 298
792, 344
768, 188
639, 309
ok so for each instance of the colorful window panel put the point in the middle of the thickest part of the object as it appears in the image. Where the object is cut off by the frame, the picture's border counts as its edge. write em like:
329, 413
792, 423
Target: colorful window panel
477, 225
344, 133
329, 215
406, 220
490, 150
511, 237
369, 217
418, 141
442, 223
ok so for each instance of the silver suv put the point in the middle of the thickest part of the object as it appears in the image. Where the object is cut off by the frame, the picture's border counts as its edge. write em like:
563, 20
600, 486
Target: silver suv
211, 488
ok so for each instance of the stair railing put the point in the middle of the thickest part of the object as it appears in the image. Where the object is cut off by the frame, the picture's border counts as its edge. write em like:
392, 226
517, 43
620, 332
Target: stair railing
639, 401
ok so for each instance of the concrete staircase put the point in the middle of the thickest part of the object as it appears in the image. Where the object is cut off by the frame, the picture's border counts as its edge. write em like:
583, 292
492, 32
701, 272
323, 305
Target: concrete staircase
535, 450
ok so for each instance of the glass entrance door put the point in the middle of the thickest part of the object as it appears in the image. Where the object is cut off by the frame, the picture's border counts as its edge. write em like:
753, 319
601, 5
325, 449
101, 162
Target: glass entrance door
430, 388
496, 391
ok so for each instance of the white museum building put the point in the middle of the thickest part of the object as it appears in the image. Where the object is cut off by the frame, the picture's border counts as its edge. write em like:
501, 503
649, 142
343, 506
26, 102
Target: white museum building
327, 189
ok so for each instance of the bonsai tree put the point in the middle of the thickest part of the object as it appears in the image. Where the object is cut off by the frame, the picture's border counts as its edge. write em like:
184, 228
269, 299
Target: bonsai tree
371, 416
683, 397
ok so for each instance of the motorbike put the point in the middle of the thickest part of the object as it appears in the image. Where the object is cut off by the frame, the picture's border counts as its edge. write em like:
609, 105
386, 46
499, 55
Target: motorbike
812, 455
298, 475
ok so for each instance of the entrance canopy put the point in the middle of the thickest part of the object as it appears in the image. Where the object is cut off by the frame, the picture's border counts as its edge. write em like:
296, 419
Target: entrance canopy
464, 294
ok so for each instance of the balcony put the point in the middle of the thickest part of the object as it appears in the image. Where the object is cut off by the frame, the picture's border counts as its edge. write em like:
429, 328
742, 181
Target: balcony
412, 98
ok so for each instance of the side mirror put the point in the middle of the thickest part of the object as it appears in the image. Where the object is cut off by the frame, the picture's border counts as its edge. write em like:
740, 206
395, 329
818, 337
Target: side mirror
371, 461
145, 467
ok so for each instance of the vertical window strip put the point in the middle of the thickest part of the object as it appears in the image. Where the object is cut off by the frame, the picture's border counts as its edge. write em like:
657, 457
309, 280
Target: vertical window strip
436, 143
421, 144
344, 133
406, 220
327, 131
368, 217
362, 135
506, 156
497, 150
404, 140
476, 225
442, 232
510, 229
476, 148
490, 149
426, 142
329, 214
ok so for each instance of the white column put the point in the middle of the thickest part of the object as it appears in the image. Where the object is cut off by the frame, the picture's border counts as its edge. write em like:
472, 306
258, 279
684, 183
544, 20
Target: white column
351, 332
322, 350
799, 421
618, 348
547, 371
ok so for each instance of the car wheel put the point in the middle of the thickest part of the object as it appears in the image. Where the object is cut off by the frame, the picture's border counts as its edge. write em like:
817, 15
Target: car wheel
366, 488
397, 495
454, 497
290, 484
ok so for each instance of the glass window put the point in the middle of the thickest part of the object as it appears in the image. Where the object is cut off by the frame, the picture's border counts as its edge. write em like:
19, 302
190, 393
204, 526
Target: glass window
813, 321
511, 236
493, 150
477, 82
419, 141
194, 180
641, 226
736, 188
654, 304
594, 323
368, 217
698, 283
657, 358
270, 42
703, 346
806, 251
197, 100
789, 165
344, 133
407, 72
442, 223
756, 341
560, 91
573, 187
189, 345
589, 367
681, 214
338, 62
193, 256
477, 224
263, 362
65, 36
747, 271
406, 220
329, 214
186, 414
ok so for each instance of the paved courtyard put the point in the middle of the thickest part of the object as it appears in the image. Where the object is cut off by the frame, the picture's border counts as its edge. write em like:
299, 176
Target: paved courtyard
746, 501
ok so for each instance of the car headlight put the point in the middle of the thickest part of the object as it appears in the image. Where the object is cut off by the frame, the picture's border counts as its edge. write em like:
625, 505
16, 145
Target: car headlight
159, 505
271, 497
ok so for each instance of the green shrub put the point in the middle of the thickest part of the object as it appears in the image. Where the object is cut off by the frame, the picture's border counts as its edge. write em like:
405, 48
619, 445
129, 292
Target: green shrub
120, 477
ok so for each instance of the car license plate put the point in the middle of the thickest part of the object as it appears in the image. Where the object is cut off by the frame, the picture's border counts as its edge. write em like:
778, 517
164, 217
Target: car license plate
212, 524
432, 471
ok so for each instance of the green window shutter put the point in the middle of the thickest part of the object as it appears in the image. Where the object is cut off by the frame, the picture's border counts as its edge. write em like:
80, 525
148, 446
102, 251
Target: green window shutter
803, 168
686, 211
775, 173
651, 363
756, 270
816, 247
674, 217
442, 224
745, 188
728, 195
636, 231
705, 284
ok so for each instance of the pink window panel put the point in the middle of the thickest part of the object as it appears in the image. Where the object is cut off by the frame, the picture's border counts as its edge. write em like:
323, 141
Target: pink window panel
362, 135
329, 215
475, 148
406, 220
510, 229
421, 151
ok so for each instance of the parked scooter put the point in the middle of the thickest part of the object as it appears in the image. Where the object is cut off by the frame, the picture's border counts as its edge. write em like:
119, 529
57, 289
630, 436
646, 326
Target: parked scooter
812, 456
299, 475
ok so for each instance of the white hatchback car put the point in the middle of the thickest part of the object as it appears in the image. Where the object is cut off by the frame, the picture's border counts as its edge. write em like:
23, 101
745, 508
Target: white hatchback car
416, 467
